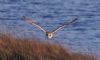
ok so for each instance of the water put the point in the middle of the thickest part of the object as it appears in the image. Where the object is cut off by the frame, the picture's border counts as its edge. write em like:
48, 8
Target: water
83, 36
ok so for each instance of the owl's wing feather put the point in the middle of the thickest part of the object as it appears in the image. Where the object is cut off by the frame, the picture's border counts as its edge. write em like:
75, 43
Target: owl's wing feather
72, 20
33, 23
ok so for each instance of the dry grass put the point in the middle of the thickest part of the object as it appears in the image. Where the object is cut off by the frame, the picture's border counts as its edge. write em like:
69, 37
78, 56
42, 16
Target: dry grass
29, 49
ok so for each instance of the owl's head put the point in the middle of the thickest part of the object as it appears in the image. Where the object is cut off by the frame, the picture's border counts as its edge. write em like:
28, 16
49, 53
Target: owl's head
49, 35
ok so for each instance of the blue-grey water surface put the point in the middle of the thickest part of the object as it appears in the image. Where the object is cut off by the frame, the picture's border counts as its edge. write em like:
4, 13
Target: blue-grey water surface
82, 36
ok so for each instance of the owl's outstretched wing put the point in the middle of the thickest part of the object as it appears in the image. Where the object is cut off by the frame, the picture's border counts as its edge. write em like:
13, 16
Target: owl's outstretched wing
33, 23
72, 20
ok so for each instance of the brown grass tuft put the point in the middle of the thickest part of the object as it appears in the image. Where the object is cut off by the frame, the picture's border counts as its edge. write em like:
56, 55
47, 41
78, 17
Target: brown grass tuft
29, 49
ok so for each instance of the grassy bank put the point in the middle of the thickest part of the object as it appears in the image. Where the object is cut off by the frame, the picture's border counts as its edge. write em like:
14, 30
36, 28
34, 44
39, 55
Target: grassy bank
29, 49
